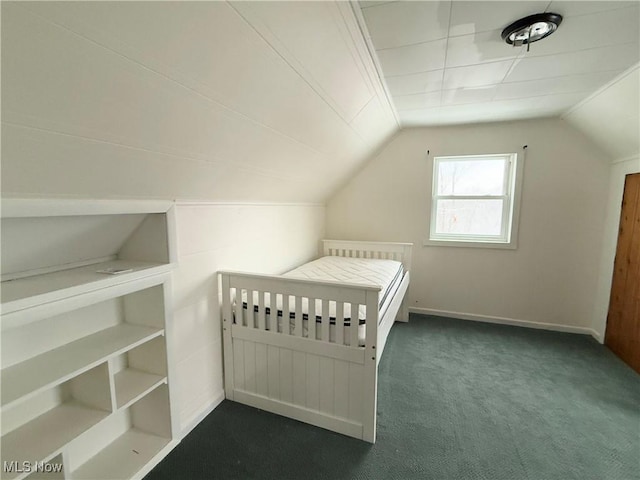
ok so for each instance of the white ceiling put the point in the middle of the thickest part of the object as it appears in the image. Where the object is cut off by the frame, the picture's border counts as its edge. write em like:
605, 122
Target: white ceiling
611, 118
444, 62
247, 101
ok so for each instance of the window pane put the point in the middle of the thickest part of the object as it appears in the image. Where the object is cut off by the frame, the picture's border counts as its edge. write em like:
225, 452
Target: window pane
471, 217
471, 177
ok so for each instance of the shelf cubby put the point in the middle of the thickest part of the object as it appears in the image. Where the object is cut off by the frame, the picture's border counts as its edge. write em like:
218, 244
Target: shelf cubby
51, 470
131, 438
139, 371
124, 457
55, 366
36, 429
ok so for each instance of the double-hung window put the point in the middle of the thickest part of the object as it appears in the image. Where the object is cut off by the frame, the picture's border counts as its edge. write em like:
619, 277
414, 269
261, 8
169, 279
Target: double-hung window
475, 200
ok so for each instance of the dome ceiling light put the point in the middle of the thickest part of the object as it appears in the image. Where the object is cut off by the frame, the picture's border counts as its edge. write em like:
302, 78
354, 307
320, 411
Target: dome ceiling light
531, 29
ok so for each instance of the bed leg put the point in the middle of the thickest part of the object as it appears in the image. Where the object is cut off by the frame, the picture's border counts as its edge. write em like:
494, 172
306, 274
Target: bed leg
403, 312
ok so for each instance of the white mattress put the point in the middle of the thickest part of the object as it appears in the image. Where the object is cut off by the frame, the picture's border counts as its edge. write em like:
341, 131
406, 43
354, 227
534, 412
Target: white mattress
386, 274
365, 271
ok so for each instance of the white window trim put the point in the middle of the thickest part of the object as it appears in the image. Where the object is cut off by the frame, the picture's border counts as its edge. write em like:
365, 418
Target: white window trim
508, 239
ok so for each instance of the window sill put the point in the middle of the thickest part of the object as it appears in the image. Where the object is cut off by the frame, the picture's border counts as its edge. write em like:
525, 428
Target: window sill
470, 244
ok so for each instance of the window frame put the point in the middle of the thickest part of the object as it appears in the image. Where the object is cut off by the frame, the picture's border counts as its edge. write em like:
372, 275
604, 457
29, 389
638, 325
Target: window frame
512, 189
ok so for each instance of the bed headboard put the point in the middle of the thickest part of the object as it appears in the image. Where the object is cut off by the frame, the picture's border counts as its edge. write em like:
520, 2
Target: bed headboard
385, 250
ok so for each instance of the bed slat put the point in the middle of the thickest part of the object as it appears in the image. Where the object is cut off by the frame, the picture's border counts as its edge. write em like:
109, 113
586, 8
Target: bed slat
353, 327
238, 360
273, 312
273, 371
261, 310
299, 378
340, 323
262, 375
341, 390
326, 385
286, 310
250, 366
251, 318
286, 375
239, 309
355, 391
313, 382
311, 323
325, 321
298, 325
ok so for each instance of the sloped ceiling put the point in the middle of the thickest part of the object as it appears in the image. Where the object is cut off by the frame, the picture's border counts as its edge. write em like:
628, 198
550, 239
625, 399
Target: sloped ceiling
611, 116
273, 101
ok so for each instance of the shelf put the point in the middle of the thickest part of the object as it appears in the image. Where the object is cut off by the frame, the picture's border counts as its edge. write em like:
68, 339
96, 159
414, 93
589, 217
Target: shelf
125, 457
42, 437
85, 300
39, 289
133, 384
57, 366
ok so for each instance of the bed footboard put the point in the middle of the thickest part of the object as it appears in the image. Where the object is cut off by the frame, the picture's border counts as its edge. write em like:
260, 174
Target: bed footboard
302, 373
295, 347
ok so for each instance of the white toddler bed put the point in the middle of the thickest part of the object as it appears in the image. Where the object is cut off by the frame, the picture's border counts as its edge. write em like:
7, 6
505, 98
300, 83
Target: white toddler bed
307, 357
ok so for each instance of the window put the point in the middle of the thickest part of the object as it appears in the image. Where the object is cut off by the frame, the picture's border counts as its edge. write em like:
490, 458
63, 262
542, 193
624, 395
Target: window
475, 200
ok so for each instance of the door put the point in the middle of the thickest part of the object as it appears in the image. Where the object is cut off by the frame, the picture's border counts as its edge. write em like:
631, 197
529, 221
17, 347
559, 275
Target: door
623, 322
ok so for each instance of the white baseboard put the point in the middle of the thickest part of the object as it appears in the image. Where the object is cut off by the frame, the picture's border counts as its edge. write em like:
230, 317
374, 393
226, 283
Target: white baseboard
508, 321
597, 336
200, 416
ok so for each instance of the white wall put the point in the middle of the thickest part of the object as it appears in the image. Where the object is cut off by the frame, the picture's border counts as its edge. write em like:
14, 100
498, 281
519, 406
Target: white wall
552, 276
611, 117
260, 238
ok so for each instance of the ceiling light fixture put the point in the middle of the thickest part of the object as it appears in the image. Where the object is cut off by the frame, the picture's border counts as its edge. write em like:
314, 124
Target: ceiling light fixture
531, 29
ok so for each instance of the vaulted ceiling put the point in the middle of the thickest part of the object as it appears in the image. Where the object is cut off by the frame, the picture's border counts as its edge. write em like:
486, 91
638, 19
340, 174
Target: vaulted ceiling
270, 101
247, 101
445, 62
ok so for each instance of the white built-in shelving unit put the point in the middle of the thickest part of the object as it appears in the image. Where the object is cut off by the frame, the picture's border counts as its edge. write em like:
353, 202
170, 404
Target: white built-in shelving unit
85, 372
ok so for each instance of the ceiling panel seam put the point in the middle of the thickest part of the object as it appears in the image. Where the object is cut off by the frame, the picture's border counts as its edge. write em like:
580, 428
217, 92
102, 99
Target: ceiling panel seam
602, 89
614, 6
355, 53
509, 71
499, 100
378, 4
371, 51
210, 100
585, 74
520, 58
363, 107
359, 60
299, 69
511, 82
199, 161
317, 89
568, 52
446, 50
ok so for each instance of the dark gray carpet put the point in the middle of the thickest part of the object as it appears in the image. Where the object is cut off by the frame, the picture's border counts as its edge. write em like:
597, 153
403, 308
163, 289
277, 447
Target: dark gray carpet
457, 400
